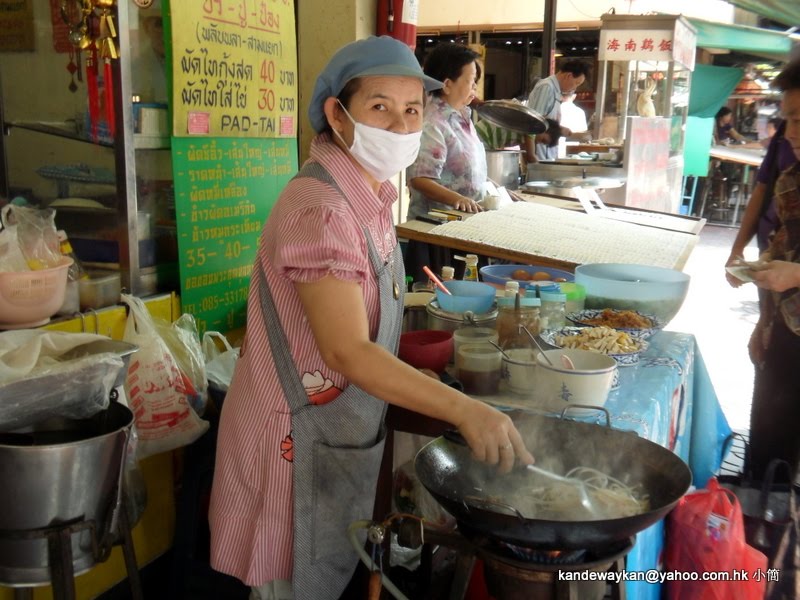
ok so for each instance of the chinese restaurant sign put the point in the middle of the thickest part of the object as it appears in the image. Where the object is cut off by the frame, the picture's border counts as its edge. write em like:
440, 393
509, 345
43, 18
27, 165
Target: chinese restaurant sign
649, 45
234, 68
224, 190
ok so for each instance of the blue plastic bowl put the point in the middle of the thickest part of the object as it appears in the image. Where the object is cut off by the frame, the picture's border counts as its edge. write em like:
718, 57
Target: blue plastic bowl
467, 295
650, 290
500, 274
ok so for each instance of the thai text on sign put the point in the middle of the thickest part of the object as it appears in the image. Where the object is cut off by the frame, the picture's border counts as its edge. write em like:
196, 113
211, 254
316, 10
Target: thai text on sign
234, 68
224, 190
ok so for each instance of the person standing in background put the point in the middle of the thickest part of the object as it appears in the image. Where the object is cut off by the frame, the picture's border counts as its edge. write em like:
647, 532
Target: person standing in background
548, 94
775, 343
450, 170
760, 218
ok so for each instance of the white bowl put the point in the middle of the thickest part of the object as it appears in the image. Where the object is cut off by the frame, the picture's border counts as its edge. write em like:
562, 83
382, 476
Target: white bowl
519, 370
588, 384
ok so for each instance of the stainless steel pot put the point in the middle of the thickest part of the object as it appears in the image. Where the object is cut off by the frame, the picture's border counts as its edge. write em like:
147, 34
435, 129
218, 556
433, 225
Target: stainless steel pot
442, 320
55, 476
503, 167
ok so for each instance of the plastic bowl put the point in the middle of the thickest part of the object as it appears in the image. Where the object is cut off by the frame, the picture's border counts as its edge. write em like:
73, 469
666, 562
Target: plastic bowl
30, 298
499, 275
588, 384
467, 296
426, 349
649, 290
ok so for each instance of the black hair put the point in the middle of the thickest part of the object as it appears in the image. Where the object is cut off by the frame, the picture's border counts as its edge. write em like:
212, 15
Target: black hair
722, 112
774, 121
789, 78
347, 93
447, 60
576, 67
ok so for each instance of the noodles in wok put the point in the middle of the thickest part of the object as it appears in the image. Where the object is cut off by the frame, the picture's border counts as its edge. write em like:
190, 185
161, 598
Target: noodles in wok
609, 498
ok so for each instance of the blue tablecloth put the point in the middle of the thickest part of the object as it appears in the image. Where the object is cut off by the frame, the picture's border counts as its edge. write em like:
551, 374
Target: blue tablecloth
668, 398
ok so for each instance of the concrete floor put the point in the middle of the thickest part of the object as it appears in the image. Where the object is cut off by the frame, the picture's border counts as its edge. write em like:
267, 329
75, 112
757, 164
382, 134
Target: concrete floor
722, 318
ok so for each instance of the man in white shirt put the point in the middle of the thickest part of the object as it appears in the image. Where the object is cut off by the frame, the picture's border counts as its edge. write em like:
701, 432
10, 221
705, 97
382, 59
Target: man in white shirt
548, 94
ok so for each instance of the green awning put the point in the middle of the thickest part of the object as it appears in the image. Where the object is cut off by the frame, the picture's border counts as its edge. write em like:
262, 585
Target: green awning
739, 38
782, 11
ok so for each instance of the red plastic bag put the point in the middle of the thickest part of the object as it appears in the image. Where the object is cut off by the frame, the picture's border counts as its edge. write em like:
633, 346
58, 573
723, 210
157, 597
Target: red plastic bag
707, 556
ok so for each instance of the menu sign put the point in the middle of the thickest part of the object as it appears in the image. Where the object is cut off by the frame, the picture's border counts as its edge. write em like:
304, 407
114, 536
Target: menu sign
234, 68
224, 190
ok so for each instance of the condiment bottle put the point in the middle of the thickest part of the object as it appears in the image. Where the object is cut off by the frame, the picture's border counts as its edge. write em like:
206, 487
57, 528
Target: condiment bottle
512, 289
553, 313
510, 319
448, 273
471, 268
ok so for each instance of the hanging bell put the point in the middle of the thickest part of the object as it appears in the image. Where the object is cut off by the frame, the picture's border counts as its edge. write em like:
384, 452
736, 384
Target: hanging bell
80, 37
105, 4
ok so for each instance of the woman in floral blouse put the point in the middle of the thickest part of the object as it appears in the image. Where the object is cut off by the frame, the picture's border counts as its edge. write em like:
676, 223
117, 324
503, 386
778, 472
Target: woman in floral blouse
450, 170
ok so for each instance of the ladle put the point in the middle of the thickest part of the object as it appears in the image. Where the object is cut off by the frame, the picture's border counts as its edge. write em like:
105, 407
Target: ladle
536, 343
585, 501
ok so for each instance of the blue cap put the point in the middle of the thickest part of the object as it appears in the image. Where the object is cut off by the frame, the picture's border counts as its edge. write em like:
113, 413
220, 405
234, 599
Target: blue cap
374, 56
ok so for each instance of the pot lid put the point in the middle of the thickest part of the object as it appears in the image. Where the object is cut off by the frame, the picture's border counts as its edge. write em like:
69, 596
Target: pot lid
512, 115
581, 182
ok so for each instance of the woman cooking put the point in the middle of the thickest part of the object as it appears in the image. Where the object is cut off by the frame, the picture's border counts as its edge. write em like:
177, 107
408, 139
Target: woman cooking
301, 431
450, 170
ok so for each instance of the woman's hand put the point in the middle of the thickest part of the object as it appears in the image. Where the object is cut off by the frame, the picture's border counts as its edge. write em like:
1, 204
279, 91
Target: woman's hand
777, 275
491, 436
734, 258
466, 205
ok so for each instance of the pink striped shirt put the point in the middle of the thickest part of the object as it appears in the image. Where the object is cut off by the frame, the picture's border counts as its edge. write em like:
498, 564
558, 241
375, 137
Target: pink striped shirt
311, 232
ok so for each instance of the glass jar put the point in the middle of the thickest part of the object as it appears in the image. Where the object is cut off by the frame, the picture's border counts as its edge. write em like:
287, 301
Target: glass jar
553, 312
510, 319
576, 296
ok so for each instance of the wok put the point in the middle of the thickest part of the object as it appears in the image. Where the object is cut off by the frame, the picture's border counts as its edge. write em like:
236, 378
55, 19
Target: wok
478, 496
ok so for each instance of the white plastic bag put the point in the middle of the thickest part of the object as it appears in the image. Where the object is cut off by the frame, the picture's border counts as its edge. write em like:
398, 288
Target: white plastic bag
11, 258
219, 363
156, 388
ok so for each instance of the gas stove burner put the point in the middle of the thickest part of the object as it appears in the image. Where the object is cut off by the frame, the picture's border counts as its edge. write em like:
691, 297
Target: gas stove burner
544, 557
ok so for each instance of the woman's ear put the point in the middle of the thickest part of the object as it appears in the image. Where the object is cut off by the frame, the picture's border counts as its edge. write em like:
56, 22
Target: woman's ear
447, 86
334, 113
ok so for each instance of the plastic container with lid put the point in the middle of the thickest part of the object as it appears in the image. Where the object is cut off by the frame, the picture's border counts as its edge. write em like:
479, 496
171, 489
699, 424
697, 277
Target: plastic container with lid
576, 296
478, 368
510, 318
554, 310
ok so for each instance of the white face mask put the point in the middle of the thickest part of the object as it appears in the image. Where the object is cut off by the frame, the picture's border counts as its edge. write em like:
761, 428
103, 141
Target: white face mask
382, 153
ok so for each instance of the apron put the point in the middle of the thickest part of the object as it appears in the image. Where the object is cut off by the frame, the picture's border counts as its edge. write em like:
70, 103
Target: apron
338, 446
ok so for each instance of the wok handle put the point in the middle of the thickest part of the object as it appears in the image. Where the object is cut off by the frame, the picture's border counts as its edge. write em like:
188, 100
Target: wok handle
589, 407
453, 435
487, 502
